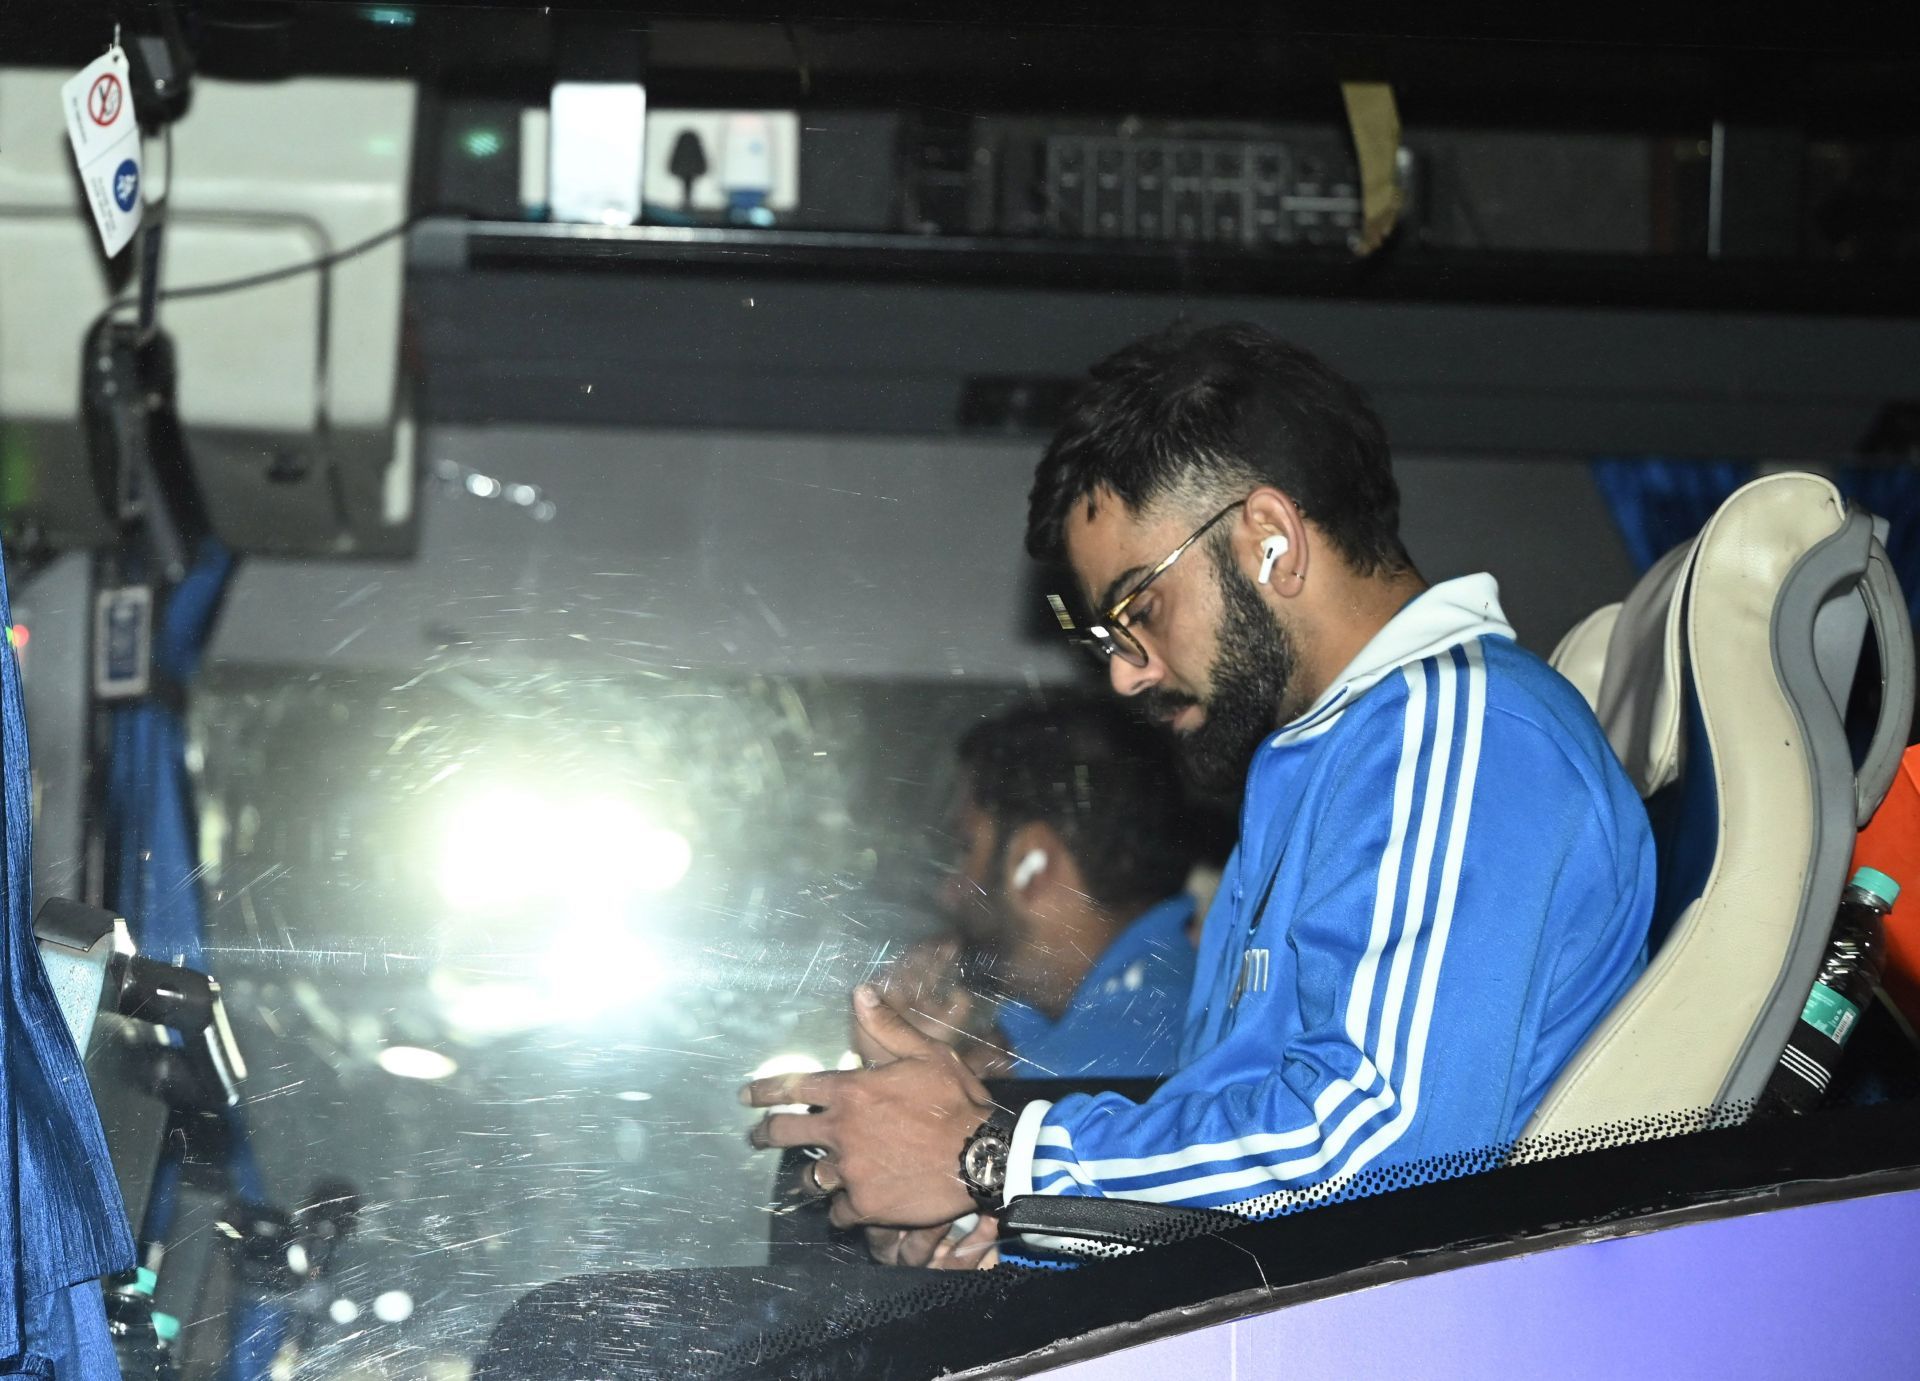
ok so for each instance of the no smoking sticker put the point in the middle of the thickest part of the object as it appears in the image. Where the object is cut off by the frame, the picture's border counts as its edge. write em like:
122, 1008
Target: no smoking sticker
106, 146
103, 101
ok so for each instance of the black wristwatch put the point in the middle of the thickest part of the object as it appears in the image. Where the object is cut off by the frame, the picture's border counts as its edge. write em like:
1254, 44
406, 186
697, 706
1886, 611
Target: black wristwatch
983, 1160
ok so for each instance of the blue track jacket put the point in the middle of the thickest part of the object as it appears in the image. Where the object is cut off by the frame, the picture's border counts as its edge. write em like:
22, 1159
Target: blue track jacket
1443, 882
1124, 1021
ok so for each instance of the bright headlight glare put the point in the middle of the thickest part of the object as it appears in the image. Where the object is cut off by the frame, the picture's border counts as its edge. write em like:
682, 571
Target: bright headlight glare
491, 855
593, 967
661, 859
506, 848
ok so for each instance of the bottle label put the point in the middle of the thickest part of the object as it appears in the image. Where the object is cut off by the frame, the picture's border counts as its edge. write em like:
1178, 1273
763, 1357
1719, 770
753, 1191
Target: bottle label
1830, 1014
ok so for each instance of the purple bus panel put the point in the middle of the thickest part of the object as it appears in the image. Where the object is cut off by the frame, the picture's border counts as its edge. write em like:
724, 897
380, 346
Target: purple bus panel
1830, 1289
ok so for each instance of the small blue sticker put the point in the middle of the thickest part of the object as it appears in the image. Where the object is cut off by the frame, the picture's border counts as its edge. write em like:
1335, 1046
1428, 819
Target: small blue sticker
126, 184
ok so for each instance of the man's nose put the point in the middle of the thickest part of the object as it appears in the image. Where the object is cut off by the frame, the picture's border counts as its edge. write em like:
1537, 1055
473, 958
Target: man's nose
1129, 679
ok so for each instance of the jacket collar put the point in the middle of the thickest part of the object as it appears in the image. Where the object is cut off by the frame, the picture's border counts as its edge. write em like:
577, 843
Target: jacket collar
1442, 616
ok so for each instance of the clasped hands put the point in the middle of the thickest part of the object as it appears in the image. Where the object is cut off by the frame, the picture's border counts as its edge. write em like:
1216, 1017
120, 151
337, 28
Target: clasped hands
891, 1136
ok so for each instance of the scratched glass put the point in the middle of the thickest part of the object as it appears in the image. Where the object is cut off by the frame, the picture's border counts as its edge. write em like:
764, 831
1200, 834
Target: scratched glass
599, 865
562, 760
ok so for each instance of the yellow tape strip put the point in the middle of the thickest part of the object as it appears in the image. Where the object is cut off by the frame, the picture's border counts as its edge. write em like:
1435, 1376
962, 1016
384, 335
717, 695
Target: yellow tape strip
1375, 121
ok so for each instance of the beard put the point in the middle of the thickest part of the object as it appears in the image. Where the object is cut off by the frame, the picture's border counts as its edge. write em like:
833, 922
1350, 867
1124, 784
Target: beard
996, 964
988, 934
983, 949
1250, 689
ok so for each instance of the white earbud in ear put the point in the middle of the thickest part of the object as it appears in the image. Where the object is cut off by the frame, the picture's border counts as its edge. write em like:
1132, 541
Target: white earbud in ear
1271, 551
1030, 867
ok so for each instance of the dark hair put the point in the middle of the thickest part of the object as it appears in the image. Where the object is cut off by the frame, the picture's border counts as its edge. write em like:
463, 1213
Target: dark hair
1106, 782
1218, 411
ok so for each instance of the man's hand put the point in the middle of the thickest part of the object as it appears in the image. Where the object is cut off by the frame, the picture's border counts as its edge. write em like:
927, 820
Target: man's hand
925, 987
892, 1134
979, 1250
906, 1246
989, 1059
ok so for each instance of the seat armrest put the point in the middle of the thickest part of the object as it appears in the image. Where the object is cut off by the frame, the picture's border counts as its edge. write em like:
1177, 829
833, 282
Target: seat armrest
1111, 1222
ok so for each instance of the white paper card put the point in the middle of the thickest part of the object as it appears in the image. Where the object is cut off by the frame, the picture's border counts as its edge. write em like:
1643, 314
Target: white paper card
106, 146
598, 132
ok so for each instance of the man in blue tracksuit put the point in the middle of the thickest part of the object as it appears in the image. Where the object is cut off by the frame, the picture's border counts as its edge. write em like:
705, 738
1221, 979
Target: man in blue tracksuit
1124, 1018
1443, 879
1442, 884
1069, 955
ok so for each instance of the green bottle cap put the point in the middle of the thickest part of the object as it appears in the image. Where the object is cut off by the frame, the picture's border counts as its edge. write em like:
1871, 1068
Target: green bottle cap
1878, 883
165, 1326
143, 1281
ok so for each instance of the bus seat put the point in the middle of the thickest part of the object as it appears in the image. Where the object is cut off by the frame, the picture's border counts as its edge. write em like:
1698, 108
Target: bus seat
1724, 687
1581, 656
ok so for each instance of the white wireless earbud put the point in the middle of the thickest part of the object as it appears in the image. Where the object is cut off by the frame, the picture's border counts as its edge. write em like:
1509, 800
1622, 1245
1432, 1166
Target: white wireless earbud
1271, 551
1034, 864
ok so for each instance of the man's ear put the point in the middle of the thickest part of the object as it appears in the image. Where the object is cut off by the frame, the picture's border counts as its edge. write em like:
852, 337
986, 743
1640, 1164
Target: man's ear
1271, 514
1037, 866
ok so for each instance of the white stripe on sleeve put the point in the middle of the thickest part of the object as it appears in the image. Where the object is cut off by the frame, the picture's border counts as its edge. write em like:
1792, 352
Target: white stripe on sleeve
1027, 1130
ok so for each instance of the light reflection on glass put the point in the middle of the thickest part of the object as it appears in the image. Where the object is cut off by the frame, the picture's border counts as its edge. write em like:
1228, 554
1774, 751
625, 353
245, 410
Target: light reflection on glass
415, 1062
593, 967
502, 867
507, 848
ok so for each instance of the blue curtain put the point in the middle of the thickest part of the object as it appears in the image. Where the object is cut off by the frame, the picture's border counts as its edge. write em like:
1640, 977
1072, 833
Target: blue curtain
62, 1222
157, 887
149, 798
1659, 503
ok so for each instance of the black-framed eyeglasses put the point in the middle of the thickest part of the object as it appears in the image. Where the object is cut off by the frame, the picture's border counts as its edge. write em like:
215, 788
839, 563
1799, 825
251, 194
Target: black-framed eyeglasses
1109, 634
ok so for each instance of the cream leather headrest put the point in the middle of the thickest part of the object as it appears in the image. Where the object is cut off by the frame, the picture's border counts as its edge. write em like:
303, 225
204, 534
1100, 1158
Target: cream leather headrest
1581, 656
1639, 700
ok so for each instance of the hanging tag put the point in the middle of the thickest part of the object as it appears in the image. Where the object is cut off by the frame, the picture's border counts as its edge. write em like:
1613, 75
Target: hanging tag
123, 642
106, 145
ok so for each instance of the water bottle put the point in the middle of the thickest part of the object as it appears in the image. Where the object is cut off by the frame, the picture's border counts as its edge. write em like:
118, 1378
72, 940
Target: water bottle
1848, 975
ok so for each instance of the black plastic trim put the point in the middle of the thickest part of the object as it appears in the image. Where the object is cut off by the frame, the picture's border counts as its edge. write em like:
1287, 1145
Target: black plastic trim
1676, 282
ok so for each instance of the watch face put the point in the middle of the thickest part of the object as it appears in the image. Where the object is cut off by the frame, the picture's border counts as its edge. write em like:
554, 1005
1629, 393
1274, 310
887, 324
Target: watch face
985, 1163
